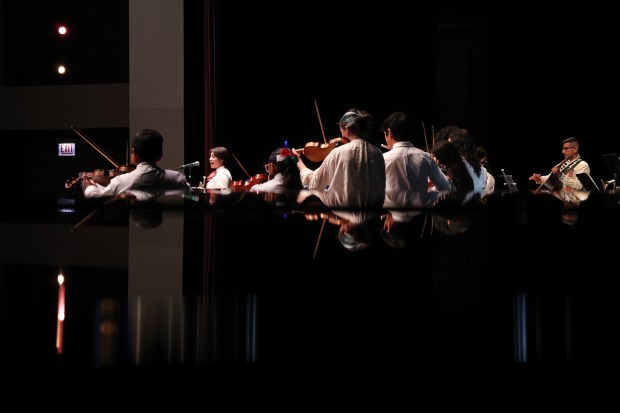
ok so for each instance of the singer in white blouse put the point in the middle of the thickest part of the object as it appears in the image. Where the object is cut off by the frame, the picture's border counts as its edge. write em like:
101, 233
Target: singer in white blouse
220, 177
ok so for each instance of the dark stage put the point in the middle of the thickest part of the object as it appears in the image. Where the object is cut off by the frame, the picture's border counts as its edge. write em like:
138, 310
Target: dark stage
241, 295
243, 299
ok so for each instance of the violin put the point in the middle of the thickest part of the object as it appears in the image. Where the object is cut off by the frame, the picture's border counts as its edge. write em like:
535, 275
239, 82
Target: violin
99, 176
245, 185
317, 152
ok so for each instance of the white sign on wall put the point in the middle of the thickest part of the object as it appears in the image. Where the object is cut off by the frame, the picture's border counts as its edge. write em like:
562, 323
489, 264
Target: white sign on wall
66, 149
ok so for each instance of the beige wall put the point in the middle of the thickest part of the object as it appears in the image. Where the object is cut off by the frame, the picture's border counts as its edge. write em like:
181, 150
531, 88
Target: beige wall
156, 73
156, 102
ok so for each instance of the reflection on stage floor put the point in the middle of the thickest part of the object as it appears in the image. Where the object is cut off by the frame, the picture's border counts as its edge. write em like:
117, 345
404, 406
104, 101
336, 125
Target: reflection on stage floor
514, 290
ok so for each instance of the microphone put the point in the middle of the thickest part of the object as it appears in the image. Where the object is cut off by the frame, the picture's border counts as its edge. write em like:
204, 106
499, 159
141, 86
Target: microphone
189, 165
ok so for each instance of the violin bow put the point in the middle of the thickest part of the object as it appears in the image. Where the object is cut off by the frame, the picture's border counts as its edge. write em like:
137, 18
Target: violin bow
424, 224
246, 172
316, 105
425, 139
97, 147
316, 248
89, 216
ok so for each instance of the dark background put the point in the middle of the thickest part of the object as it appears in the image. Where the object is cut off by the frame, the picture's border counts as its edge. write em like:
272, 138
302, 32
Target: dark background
521, 76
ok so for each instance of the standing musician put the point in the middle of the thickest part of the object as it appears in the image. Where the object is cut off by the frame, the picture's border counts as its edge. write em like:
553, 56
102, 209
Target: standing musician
146, 151
353, 174
563, 176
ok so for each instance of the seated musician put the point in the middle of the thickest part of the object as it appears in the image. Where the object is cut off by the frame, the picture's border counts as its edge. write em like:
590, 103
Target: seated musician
408, 170
351, 175
283, 173
563, 177
146, 151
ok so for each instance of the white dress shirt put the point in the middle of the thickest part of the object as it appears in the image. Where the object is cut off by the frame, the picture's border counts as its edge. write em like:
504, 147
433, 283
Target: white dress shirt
352, 175
407, 171
147, 176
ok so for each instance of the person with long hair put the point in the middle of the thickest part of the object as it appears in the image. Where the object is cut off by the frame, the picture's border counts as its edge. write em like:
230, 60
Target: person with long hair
484, 182
449, 159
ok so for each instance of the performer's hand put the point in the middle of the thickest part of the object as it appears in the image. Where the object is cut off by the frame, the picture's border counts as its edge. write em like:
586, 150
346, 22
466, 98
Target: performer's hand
86, 181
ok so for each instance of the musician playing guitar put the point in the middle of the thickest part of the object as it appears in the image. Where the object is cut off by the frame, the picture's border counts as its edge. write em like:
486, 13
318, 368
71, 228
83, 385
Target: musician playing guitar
563, 176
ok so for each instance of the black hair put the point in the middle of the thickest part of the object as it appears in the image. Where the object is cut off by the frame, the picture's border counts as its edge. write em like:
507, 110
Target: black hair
399, 124
221, 152
148, 145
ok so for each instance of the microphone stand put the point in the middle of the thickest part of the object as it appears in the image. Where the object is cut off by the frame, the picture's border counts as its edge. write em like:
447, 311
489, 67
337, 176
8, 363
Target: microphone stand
190, 167
189, 179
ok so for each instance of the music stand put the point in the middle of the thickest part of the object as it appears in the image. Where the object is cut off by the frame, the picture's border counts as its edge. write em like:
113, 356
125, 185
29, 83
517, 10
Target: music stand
512, 186
587, 182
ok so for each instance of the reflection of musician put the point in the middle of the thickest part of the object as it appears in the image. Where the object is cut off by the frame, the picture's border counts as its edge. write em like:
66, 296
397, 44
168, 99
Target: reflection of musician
396, 229
357, 228
566, 171
452, 222
146, 212
146, 151
353, 174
